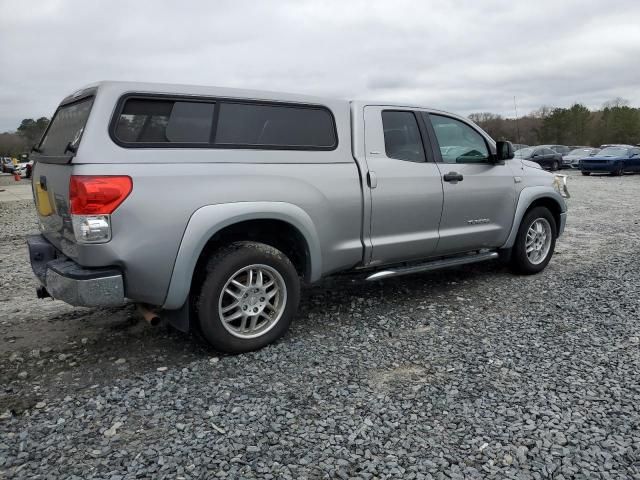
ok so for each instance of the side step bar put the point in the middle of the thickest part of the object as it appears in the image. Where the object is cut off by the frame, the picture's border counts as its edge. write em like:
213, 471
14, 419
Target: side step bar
433, 265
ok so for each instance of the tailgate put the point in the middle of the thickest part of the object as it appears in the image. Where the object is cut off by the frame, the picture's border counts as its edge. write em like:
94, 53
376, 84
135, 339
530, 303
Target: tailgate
52, 172
51, 195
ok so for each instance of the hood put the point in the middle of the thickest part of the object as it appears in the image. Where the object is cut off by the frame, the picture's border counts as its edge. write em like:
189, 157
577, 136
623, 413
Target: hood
607, 157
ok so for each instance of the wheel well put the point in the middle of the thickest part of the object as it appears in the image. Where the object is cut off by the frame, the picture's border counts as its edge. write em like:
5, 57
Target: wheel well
277, 233
551, 205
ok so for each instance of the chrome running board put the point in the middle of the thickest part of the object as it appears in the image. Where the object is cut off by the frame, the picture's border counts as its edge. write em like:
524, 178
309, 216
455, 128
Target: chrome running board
433, 265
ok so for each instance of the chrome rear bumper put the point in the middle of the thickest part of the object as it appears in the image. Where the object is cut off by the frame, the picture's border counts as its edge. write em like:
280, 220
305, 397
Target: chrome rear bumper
67, 281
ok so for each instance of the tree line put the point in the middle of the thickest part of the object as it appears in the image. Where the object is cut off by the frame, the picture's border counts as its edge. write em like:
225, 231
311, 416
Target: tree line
616, 122
26, 136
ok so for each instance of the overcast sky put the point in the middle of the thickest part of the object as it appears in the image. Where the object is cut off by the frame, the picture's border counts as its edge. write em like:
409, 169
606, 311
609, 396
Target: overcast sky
463, 56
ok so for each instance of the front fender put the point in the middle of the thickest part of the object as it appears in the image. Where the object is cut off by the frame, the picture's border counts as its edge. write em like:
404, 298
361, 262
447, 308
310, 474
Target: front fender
207, 220
528, 195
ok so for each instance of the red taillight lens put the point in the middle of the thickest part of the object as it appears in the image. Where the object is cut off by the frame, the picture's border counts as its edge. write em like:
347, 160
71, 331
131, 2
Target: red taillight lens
97, 195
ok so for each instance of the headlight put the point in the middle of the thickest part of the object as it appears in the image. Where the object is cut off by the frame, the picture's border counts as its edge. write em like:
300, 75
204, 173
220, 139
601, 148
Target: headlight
560, 184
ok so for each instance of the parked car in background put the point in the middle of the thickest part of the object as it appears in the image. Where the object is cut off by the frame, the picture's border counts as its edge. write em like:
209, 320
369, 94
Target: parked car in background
24, 169
519, 146
573, 158
561, 149
543, 156
7, 165
613, 160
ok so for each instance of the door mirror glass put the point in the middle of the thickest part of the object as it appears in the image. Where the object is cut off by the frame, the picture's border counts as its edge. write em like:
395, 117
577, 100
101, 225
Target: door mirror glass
504, 151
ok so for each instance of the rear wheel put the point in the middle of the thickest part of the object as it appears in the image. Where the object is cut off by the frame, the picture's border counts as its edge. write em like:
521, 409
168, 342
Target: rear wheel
555, 166
535, 242
248, 297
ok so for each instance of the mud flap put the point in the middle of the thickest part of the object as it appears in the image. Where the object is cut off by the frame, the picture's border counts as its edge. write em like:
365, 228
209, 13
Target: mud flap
178, 319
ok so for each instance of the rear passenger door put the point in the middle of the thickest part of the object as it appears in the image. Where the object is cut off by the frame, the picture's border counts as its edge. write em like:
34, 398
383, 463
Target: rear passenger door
405, 186
479, 194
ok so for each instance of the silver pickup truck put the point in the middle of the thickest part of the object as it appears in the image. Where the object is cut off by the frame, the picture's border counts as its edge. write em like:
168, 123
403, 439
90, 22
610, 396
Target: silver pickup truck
211, 206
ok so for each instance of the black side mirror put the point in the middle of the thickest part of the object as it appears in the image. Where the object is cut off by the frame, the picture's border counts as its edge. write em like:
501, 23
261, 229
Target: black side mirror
504, 151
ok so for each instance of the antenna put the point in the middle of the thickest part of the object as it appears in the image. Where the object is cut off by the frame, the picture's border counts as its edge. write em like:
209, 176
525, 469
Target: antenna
515, 108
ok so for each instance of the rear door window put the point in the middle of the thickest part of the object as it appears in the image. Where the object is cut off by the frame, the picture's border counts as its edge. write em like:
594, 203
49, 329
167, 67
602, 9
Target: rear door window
275, 126
145, 121
402, 139
64, 134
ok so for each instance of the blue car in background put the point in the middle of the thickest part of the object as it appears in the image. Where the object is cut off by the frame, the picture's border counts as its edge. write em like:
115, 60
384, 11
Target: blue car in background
614, 160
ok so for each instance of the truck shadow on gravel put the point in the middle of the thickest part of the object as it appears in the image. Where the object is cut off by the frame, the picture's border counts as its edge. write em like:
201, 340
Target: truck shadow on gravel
108, 344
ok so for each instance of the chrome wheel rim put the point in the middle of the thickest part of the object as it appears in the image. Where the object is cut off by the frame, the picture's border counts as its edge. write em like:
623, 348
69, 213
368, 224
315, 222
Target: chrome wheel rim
538, 242
252, 301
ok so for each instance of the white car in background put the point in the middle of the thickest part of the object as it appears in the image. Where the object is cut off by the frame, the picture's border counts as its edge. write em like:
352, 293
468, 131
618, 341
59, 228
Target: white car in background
24, 169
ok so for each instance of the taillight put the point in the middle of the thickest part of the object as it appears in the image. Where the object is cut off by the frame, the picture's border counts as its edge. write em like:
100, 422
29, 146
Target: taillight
95, 195
92, 199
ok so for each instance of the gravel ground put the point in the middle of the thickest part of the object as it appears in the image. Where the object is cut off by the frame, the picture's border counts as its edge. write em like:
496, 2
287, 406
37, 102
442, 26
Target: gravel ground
465, 373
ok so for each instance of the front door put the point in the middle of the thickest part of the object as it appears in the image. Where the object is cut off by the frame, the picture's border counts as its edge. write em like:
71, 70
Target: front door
479, 195
404, 184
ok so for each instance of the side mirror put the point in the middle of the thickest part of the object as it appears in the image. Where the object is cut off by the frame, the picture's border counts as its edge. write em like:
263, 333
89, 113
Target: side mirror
504, 151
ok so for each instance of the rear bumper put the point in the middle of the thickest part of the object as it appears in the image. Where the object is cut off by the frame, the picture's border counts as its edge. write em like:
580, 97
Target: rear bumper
67, 281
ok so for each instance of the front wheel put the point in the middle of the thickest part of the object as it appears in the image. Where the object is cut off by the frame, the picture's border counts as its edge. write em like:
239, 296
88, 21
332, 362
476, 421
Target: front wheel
555, 166
535, 242
619, 170
586, 174
248, 297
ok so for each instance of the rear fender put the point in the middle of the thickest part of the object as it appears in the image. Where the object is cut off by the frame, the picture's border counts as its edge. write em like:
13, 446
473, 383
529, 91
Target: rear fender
208, 220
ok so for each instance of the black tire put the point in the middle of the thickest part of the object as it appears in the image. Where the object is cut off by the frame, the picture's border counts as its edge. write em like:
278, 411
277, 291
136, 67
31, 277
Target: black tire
618, 171
586, 174
220, 268
555, 166
519, 259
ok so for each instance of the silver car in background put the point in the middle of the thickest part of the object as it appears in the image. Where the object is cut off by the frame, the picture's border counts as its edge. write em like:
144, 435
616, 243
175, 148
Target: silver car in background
573, 158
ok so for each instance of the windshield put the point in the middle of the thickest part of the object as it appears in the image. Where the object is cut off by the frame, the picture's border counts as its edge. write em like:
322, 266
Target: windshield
614, 152
65, 131
524, 152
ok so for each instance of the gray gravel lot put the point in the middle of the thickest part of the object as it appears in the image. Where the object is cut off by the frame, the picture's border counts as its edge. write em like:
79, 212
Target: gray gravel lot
465, 373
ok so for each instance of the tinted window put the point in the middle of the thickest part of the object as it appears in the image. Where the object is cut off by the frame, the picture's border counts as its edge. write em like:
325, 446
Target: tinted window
402, 138
164, 121
458, 142
66, 128
275, 126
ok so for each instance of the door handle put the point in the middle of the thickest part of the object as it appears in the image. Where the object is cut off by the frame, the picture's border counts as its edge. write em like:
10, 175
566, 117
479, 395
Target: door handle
453, 177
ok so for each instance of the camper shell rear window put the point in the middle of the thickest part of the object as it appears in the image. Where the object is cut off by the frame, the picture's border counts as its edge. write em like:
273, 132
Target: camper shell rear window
64, 133
160, 121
